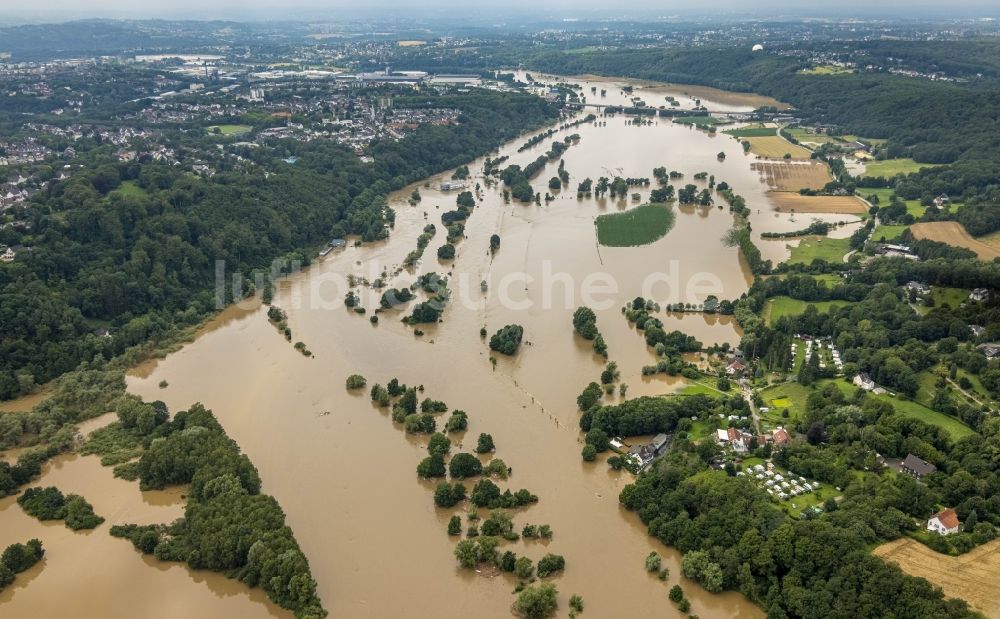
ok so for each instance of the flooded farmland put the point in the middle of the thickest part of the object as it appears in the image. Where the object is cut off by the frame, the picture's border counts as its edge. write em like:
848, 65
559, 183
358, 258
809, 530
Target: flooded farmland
345, 474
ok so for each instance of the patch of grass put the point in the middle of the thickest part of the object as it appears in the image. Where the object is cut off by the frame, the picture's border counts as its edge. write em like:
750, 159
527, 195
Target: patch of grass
913, 207
831, 280
827, 69
229, 129
952, 296
790, 395
807, 500
114, 444
638, 226
798, 394
977, 388
700, 430
887, 233
130, 189
819, 247
889, 168
786, 306
751, 132
915, 410
698, 120
805, 135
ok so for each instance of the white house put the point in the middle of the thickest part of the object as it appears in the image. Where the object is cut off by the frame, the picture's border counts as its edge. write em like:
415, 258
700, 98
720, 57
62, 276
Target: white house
980, 294
944, 522
864, 381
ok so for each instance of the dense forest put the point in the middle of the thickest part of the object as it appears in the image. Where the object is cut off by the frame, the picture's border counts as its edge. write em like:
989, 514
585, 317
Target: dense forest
143, 261
228, 525
806, 568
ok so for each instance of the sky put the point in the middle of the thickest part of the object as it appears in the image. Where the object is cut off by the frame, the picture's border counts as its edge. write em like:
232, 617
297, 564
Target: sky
63, 10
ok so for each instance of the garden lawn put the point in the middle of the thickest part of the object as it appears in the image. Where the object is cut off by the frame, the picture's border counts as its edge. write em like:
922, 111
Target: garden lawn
786, 306
819, 247
889, 168
229, 129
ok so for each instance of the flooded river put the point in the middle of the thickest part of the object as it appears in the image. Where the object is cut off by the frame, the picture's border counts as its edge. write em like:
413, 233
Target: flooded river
341, 470
89, 574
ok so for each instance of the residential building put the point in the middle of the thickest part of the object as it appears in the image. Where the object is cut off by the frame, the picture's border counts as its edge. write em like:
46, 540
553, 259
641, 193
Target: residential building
643, 455
917, 467
944, 522
992, 351
735, 368
864, 381
980, 294
780, 437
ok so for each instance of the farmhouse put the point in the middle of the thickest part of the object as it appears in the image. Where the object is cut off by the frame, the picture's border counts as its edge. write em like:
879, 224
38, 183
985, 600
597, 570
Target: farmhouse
895, 251
918, 288
864, 381
980, 294
917, 467
643, 455
735, 438
992, 351
944, 522
780, 437
735, 368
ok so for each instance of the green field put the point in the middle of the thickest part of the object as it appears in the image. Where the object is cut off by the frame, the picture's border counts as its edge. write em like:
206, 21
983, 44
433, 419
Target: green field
819, 247
889, 168
786, 306
638, 226
941, 295
887, 233
913, 207
804, 135
751, 132
129, 189
829, 279
797, 395
827, 69
706, 385
698, 120
790, 395
229, 129
915, 410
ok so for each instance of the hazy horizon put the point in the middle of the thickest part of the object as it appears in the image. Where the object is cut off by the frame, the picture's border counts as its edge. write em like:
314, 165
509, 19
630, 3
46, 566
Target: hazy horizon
514, 10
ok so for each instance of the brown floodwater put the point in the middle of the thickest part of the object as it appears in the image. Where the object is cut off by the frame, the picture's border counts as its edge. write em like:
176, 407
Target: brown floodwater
91, 575
344, 473
25, 402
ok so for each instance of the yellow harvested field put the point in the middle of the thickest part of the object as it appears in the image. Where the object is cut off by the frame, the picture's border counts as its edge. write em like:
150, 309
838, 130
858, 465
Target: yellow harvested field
787, 202
793, 176
953, 233
776, 147
992, 239
970, 577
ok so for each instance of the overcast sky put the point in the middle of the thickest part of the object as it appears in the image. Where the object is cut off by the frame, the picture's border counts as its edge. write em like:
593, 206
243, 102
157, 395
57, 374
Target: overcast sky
61, 10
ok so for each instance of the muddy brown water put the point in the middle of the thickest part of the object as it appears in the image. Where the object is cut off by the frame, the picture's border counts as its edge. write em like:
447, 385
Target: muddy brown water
345, 474
90, 574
